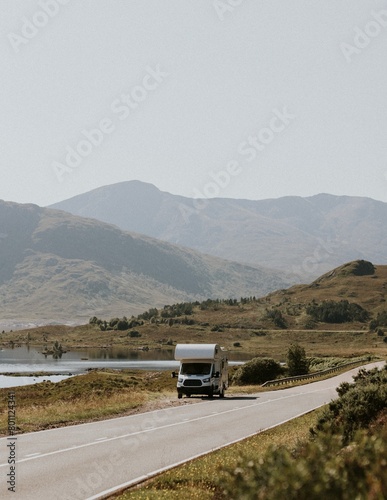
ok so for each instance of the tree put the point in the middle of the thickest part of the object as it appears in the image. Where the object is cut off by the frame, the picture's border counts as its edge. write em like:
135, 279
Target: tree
277, 317
298, 363
330, 311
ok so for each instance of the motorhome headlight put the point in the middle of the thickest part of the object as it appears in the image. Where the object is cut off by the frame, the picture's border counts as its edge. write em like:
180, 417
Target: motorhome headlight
206, 380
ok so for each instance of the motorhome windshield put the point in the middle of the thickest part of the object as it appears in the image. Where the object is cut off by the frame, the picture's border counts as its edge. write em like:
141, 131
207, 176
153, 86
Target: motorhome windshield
195, 368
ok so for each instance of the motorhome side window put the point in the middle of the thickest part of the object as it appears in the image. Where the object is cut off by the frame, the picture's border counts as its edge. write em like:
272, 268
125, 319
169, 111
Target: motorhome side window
195, 368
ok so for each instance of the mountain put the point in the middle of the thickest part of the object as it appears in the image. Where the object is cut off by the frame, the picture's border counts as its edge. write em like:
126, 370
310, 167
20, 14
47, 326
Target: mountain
57, 266
303, 236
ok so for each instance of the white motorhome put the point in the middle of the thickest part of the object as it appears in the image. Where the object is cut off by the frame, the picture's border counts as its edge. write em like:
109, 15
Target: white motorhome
203, 369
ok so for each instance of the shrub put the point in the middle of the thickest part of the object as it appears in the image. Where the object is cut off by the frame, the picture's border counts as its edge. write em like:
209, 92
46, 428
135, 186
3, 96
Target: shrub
319, 469
381, 320
134, 333
257, 371
113, 322
363, 268
358, 405
122, 324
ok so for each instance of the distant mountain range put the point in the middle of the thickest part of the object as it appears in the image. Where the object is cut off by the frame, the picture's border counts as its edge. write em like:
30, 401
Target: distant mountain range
303, 236
55, 266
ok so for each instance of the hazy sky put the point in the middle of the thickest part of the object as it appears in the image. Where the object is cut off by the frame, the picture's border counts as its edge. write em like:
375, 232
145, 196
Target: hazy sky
233, 98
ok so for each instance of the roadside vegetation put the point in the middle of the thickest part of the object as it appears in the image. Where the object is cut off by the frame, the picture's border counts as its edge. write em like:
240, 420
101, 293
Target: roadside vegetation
339, 452
84, 398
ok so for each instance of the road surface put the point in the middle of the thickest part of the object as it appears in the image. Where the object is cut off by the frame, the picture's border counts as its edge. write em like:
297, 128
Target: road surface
88, 461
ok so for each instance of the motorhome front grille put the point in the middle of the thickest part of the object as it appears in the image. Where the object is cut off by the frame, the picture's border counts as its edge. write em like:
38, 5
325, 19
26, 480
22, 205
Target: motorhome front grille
192, 383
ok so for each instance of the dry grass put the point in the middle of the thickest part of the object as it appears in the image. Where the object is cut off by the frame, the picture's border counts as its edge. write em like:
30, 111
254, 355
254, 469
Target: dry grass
94, 396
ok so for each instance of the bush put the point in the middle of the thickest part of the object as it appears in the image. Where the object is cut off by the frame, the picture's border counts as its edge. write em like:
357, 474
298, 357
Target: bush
113, 322
134, 333
257, 371
319, 469
381, 320
363, 268
122, 324
358, 405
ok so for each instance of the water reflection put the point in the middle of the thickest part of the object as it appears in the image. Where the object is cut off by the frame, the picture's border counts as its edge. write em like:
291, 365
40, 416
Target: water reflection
18, 381
34, 359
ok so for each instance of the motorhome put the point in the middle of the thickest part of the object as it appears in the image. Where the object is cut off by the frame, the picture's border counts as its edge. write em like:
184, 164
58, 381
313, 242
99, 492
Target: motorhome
203, 369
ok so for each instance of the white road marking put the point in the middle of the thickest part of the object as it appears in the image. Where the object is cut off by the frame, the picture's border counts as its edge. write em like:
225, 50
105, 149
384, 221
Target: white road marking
140, 479
85, 445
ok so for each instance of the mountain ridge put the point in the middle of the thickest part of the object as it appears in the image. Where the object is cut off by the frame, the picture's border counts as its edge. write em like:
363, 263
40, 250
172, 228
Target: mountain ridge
57, 266
304, 236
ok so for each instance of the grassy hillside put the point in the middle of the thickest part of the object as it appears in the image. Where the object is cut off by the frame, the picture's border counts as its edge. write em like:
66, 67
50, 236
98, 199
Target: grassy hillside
262, 326
56, 266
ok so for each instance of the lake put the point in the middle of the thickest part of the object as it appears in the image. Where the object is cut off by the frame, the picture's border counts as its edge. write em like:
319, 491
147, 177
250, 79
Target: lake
27, 360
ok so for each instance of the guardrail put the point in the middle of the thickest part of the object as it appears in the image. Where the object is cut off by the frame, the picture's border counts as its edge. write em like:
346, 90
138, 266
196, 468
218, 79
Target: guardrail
287, 380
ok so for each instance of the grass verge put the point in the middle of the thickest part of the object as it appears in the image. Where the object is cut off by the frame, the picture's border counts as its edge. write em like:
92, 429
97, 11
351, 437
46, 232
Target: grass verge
200, 478
84, 398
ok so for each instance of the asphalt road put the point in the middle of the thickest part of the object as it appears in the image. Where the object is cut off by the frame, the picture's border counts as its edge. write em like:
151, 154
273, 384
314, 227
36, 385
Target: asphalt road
90, 460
